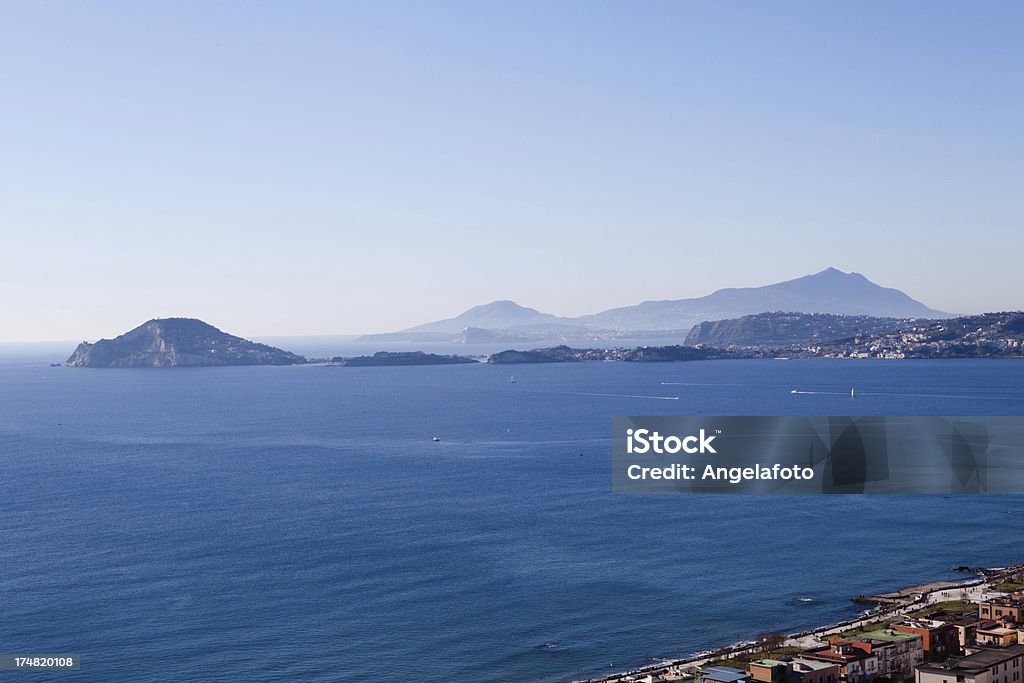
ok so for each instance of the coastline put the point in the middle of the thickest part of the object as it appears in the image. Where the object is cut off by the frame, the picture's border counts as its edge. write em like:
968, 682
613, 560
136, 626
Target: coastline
890, 604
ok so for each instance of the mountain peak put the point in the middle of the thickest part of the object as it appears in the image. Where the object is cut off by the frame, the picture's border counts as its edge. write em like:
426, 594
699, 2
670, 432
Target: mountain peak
835, 273
501, 314
501, 305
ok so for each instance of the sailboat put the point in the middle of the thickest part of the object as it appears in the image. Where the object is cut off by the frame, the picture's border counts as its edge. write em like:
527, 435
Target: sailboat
853, 393
512, 379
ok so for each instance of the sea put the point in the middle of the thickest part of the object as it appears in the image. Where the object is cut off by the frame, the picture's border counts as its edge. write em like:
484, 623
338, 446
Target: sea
301, 523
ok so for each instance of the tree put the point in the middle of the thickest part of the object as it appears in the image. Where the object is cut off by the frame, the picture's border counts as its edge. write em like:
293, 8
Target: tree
771, 640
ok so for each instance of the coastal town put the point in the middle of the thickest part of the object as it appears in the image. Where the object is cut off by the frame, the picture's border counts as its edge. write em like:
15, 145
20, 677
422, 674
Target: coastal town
991, 335
943, 632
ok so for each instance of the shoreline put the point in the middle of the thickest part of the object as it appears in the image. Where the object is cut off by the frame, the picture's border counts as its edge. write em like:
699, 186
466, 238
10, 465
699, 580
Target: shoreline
889, 604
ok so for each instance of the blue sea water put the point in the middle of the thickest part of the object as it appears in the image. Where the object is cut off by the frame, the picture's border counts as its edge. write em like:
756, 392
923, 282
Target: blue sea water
298, 523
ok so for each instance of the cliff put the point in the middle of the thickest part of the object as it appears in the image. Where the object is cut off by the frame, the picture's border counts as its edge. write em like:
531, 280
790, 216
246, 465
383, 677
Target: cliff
789, 329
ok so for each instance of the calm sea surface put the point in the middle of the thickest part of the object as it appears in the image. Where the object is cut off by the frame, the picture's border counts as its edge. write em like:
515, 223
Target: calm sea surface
298, 523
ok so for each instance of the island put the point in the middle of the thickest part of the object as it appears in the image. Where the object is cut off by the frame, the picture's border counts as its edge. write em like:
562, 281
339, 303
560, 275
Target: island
382, 358
640, 354
177, 342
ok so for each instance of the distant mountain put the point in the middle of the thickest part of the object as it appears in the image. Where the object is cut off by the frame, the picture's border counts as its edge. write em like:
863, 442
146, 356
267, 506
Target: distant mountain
497, 315
498, 320
830, 291
177, 342
789, 329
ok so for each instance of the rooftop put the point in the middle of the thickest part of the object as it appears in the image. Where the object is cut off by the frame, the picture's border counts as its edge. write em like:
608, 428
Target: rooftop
921, 623
953, 618
826, 654
724, 674
976, 663
1014, 600
799, 663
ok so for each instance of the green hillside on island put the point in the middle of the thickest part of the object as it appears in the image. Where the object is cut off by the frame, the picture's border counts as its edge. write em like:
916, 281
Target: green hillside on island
177, 342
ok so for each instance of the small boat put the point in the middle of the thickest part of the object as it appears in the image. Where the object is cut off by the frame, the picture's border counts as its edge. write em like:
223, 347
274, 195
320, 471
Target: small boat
793, 391
512, 379
853, 393
436, 439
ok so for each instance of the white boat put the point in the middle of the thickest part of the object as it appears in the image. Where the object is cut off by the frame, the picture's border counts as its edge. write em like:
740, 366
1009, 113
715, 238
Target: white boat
853, 394
436, 438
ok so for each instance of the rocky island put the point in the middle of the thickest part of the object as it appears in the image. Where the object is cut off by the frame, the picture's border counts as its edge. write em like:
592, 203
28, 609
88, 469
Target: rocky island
177, 342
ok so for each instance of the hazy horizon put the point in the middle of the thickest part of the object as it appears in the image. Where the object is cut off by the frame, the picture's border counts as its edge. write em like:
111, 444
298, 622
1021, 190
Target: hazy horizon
284, 334
334, 169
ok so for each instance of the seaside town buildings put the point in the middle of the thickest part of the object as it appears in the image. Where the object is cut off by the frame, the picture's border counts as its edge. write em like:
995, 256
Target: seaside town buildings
987, 665
1008, 609
793, 670
937, 645
939, 639
881, 653
997, 636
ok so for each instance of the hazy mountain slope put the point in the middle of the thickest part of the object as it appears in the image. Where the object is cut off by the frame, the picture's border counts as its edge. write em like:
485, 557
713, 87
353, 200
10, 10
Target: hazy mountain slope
830, 291
495, 316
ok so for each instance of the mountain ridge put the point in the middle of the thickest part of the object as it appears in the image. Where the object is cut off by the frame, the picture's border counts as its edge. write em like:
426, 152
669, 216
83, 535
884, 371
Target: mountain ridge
827, 291
830, 291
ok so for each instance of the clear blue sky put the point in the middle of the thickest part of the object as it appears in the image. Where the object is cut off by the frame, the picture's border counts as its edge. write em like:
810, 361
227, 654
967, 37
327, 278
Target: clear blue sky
317, 168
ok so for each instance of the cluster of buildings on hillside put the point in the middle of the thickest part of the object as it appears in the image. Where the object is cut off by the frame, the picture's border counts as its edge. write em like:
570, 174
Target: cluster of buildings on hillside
940, 647
906, 345
991, 334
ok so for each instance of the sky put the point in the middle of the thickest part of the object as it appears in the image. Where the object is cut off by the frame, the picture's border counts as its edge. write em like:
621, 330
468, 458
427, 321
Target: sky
295, 168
